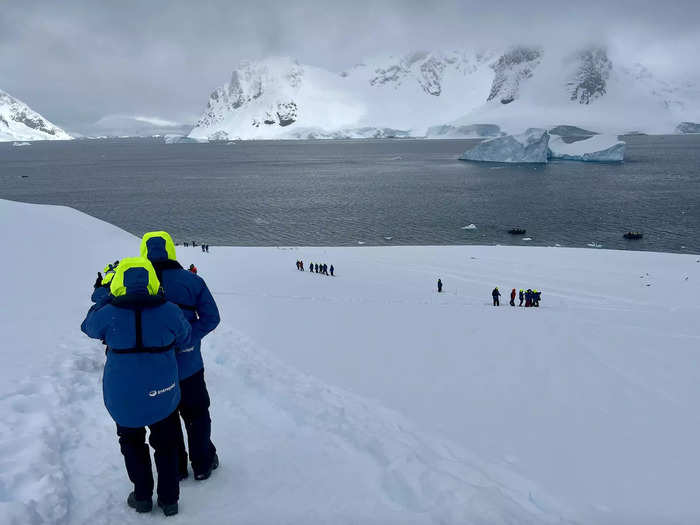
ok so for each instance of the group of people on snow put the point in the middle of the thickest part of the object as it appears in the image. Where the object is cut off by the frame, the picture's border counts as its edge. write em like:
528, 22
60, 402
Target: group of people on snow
205, 247
317, 268
531, 297
151, 314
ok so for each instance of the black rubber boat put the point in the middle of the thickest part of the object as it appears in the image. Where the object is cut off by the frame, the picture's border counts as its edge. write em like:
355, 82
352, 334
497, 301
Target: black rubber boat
633, 235
517, 231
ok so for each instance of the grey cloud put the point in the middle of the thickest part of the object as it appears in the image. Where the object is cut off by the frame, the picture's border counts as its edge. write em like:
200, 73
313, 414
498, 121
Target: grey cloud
76, 61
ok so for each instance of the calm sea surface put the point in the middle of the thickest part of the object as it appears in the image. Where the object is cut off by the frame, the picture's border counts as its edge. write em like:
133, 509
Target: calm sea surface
379, 192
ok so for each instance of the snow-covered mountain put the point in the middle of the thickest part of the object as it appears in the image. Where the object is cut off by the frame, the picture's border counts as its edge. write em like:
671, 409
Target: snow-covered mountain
514, 88
19, 122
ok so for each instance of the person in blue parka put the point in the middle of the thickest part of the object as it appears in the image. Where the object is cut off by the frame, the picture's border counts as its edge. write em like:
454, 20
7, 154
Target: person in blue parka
190, 293
140, 383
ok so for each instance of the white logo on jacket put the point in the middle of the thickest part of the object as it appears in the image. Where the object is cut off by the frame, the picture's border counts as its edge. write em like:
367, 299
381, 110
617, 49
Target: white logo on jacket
154, 393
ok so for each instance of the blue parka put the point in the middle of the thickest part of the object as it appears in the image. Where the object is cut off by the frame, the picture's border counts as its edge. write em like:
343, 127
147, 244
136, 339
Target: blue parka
189, 292
140, 383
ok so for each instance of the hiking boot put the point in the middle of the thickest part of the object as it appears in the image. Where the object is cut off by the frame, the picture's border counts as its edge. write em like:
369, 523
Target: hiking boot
182, 475
201, 476
169, 509
145, 505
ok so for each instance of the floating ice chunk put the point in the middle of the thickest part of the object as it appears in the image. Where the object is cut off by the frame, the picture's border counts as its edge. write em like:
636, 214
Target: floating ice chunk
177, 139
18, 144
598, 148
594, 245
469, 227
528, 147
527, 238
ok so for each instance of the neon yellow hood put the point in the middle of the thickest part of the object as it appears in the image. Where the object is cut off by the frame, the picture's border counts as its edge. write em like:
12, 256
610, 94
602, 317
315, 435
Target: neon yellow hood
156, 249
151, 283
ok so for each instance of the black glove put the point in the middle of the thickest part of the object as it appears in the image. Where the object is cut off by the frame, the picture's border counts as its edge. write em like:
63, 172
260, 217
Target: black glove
98, 282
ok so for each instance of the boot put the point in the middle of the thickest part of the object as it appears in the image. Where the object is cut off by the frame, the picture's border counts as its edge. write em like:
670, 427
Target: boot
201, 476
145, 505
169, 509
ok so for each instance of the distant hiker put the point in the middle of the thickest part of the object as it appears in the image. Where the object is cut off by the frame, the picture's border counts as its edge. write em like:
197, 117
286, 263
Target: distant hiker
439, 286
192, 295
496, 294
332, 269
140, 386
186, 244
311, 267
193, 269
301, 265
202, 246
207, 250
512, 297
297, 264
316, 268
325, 269
521, 296
528, 298
536, 298
194, 244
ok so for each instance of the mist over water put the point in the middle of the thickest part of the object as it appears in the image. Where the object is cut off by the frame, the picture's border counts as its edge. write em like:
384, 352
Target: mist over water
375, 192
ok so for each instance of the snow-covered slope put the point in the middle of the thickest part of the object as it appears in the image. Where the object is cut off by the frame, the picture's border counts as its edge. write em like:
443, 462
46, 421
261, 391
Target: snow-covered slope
293, 448
353, 399
19, 122
515, 88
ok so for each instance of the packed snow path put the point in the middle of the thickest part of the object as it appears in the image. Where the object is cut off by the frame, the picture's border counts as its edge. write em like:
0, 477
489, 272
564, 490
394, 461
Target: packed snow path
592, 397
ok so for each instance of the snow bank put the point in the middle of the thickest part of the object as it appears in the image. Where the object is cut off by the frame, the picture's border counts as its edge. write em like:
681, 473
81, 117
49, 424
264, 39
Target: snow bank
355, 398
598, 148
528, 147
293, 448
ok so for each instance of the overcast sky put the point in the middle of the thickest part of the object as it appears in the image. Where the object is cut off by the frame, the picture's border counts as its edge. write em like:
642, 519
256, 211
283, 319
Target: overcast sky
77, 61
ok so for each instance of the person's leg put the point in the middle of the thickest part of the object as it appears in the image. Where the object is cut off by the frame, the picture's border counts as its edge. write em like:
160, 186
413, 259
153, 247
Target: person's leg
181, 451
194, 409
163, 441
137, 460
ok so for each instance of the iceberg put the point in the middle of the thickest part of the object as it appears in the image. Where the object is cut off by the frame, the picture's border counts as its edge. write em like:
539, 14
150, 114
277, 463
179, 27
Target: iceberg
571, 131
172, 138
528, 147
598, 148
688, 127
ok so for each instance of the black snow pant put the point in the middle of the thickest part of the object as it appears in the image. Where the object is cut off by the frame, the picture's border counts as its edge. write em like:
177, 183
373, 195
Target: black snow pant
194, 410
137, 458
496, 302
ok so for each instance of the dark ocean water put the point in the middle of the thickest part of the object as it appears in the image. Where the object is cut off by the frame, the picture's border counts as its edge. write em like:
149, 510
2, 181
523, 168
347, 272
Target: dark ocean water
345, 192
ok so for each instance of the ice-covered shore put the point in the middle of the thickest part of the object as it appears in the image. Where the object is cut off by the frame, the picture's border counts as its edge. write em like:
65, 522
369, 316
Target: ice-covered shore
368, 397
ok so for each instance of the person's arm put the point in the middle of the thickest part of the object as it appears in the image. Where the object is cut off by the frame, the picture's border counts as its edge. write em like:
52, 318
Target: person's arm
95, 323
181, 328
208, 314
